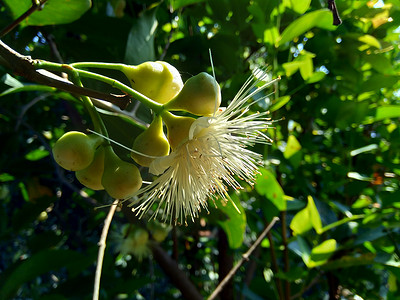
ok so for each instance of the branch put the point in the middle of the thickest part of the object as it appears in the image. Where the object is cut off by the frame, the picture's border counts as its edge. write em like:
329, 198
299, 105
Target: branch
35, 6
177, 276
102, 248
336, 18
244, 258
285, 254
24, 66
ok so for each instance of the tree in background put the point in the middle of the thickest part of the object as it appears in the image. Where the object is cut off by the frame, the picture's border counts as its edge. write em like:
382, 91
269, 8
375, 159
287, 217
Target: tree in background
331, 174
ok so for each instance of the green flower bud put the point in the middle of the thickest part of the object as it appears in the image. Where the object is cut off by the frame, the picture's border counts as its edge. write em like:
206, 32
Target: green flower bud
151, 142
201, 95
75, 150
91, 176
177, 128
158, 80
121, 179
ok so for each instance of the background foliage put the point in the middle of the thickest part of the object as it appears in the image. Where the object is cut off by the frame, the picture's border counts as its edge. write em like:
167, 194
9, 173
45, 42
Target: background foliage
331, 174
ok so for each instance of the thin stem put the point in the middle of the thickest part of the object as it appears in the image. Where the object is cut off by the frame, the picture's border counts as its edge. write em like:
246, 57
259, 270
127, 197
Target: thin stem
94, 115
275, 267
244, 258
156, 107
36, 4
285, 254
98, 65
27, 67
102, 248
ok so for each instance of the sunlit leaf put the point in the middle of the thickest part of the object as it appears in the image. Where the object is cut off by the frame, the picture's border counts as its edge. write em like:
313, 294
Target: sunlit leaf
387, 112
320, 18
52, 12
306, 219
268, 186
235, 224
140, 44
321, 253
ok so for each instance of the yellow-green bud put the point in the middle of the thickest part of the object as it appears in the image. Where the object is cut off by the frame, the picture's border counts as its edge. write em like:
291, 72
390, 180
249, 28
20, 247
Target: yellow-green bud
151, 142
157, 80
177, 128
201, 95
121, 179
91, 176
75, 150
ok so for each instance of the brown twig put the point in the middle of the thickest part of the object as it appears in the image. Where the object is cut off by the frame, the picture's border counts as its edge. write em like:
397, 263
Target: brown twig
285, 254
244, 258
177, 276
336, 18
35, 6
24, 66
275, 267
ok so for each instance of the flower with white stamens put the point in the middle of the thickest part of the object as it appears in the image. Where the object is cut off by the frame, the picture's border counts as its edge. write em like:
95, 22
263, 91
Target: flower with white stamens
215, 153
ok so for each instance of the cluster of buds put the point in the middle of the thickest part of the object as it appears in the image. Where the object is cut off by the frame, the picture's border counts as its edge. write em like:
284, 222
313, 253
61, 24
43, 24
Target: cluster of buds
196, 159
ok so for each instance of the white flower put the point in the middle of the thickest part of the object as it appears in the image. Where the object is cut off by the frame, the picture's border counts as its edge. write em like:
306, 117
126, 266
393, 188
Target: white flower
214, 155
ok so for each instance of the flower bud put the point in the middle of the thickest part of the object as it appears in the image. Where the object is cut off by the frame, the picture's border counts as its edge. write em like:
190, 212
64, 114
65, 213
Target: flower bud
151, 142
120, 179
201, 95
177, 128
75, 150
158, 80
91, 176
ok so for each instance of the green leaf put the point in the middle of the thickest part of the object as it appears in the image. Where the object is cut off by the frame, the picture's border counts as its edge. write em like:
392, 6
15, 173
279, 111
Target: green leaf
140, 45
319, 18
278, 103
370, 41
266, 185
37, 154
53, 11
28, 88
321, 253
301, 222
306, 219
11, 81
378, 81
299, 6
387, 112
315, 77
364, 149
38, 264
235, 225
303, 62
181, 3
292, 147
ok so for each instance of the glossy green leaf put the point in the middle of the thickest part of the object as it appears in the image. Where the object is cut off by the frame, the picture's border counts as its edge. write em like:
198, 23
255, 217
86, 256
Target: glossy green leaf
319, 18
299, 6
53, 11
378, 81
235, 224
301, 222
278, 103
387, 112
268, 186
292, 147
315, 77
306, 219
38, 264
370, 40
140, 44
321, 253
364, 149
36, 154
181, 3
